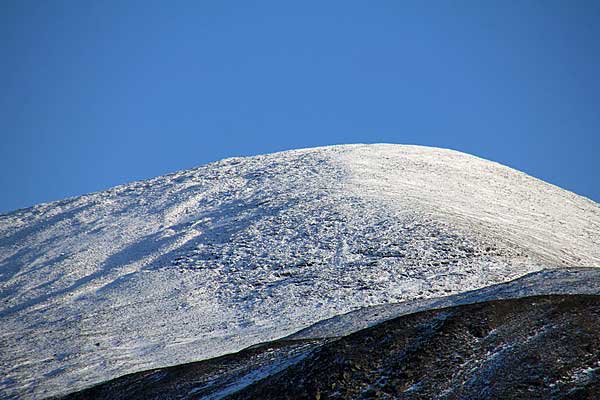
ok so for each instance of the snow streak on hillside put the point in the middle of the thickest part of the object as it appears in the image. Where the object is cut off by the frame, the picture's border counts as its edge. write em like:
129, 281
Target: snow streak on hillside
207, 261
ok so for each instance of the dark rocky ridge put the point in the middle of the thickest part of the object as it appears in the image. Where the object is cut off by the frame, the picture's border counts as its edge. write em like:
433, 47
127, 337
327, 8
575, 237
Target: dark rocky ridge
204, 378
542, 347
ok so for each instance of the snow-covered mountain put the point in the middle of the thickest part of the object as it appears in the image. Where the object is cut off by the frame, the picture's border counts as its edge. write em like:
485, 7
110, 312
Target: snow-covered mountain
208, 261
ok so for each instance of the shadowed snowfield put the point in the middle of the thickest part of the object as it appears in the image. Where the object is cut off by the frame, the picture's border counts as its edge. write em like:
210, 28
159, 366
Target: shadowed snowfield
208, 261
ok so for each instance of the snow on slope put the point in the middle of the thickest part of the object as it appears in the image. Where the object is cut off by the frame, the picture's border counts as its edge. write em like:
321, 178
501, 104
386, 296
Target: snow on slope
555, 281
207, 261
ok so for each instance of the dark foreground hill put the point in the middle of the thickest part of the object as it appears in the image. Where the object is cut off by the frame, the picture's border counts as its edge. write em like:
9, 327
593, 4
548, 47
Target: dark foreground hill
541, 347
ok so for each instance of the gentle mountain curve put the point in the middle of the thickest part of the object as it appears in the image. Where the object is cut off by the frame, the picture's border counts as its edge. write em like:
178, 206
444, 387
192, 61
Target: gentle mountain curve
208, 261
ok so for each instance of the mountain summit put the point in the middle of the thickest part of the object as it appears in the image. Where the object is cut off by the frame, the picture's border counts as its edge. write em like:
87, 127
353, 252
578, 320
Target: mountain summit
207, 261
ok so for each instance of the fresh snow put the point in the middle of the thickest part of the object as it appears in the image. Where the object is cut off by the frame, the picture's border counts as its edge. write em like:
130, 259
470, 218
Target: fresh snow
207, 261
559, 281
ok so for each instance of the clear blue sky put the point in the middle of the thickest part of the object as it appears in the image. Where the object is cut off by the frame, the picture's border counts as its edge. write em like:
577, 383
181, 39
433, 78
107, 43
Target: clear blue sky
94, 94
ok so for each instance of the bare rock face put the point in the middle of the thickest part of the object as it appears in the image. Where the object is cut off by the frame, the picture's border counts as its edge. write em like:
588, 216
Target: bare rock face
208, 261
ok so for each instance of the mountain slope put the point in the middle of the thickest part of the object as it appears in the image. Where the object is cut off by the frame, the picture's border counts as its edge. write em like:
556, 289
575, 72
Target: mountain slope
204, 262
491, 350
555, 281
272, 370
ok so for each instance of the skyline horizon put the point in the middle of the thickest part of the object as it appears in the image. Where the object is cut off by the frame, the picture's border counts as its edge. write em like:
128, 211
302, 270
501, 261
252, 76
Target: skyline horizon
283, 151
100, 94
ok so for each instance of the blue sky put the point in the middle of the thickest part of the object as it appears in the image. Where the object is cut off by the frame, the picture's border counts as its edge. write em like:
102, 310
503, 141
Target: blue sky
96, 94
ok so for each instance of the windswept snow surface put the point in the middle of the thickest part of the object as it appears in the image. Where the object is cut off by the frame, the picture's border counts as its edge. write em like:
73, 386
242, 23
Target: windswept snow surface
208, 261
